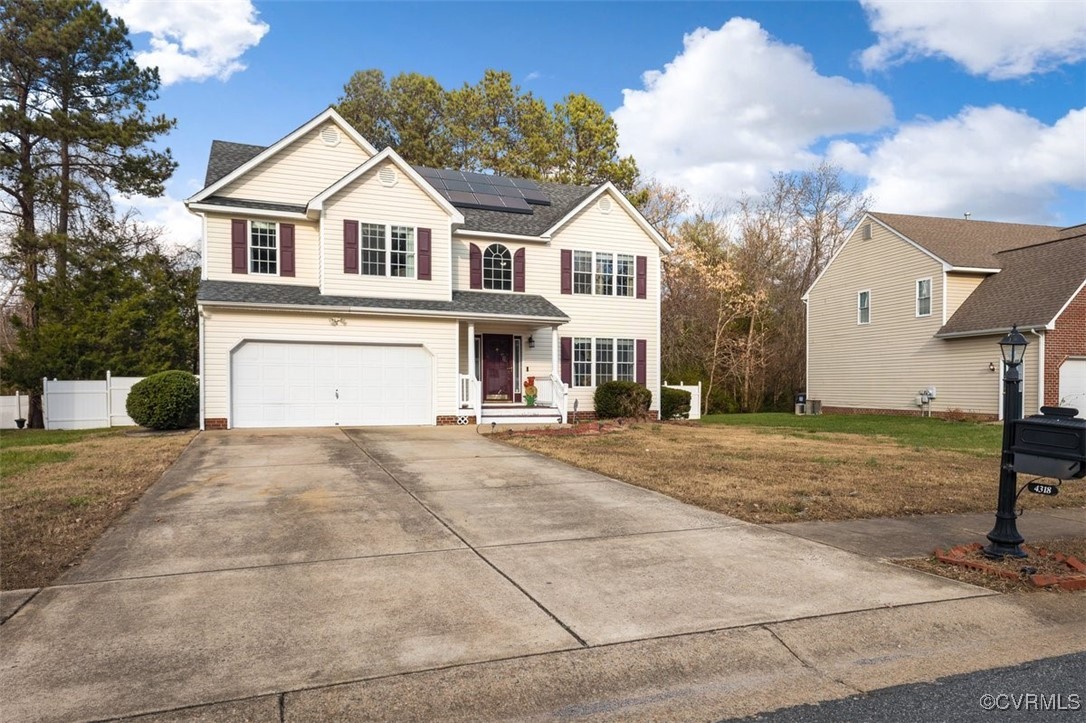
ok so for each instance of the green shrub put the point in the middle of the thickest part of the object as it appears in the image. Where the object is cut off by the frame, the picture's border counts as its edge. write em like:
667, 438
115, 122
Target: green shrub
622, 399
167, 400
674, 403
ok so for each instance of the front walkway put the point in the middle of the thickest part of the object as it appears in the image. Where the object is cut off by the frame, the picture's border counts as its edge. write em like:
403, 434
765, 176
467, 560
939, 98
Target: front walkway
268, 565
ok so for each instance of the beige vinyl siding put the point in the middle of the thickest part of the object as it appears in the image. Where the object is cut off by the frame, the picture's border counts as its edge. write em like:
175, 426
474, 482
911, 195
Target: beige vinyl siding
218, 263
367, 200
225, 329
958, 288
300, 171
884, 364
590, 316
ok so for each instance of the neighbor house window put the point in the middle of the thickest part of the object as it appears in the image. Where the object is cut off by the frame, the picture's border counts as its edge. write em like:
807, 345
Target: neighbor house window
624, 275
582, 362
263, 249
863, 307
386, 250
582, 272
605, 360
923, 297
624, 361
497, 268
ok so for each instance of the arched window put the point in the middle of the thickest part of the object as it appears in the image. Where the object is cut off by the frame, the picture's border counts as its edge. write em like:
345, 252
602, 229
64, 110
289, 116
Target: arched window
497, 268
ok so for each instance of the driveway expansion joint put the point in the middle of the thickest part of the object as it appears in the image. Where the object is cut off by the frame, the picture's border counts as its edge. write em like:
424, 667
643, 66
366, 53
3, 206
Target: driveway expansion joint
806, 664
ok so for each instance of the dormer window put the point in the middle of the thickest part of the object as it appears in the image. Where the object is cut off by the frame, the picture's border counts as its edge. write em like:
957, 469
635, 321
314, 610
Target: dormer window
497, 268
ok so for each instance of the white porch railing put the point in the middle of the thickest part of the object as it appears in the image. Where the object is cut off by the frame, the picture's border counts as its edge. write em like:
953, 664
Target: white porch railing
470, 396
554, 392
695, 398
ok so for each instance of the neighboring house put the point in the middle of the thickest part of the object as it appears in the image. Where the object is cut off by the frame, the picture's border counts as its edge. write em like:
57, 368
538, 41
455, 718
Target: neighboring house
910, 304
342, 286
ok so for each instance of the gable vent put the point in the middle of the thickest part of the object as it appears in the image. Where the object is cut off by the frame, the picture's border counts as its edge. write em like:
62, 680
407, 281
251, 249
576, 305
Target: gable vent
330, 135
606, 205
388, 176
866, 232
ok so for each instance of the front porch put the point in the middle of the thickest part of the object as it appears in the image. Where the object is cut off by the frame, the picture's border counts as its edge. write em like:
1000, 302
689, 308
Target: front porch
501, 365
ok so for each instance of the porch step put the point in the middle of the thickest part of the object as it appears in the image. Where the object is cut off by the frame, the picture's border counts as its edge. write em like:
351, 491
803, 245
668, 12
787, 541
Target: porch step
519, 414
551, 419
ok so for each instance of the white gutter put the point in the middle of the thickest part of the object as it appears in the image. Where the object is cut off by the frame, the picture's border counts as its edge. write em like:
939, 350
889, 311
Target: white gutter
467, 233
988, 332
263, 212
383, 311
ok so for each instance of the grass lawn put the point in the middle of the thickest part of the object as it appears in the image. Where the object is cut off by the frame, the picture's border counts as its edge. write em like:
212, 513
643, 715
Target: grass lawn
60, 489
782, 468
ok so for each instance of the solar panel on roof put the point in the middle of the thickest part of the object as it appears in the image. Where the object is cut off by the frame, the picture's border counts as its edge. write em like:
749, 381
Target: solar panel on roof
484, 190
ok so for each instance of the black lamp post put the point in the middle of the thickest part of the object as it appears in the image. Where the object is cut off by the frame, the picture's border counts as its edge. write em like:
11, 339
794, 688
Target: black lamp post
1004, 538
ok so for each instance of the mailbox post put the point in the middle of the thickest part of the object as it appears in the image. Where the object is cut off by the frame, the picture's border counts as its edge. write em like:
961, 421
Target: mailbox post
1004, 540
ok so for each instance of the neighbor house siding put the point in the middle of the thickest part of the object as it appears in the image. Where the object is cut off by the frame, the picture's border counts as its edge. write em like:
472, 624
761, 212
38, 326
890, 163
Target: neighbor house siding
300, 171
958, 288
225, 329
1068, 339
217, 263
367, 200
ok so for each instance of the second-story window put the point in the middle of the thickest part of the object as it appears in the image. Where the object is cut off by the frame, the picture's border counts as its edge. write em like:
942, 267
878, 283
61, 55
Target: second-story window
582, 272
371, 242
386, 250
604, 274
497, 268
263, 249
863, 307
923, 297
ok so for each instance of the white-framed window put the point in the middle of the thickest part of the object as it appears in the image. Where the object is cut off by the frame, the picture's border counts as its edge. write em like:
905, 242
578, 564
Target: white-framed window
923, 297
625, 370
582, 362
582, 272
497, 268
263, 247
604, 359
604, 274
386, 250
863, 307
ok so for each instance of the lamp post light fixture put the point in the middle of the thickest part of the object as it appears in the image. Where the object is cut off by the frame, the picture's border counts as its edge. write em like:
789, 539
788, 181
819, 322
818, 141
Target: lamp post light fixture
1004, 540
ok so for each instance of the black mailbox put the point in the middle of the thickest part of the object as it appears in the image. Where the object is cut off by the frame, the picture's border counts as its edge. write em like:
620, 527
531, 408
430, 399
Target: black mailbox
1051, 444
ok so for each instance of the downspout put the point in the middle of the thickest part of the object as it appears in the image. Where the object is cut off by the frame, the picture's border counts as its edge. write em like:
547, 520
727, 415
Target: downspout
203, 372
1040, 369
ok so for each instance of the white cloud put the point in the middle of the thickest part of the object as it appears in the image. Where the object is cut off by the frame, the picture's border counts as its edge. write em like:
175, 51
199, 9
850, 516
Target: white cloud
736, 106
997, 163
180, 229
997, 38
192, 39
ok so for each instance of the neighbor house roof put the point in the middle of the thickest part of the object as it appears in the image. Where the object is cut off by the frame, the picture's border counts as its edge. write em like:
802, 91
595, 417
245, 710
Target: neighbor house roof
225, 157
966, 243
1035, 284
464, 304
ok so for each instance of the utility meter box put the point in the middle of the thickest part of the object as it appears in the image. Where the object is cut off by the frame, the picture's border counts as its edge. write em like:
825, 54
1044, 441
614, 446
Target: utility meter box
1050, 444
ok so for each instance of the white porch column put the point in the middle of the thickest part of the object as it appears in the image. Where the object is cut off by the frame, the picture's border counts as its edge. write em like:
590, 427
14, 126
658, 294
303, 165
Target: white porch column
471, 349
556, 369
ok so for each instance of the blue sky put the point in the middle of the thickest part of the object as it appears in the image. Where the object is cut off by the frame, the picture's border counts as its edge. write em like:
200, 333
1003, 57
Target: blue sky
937, 108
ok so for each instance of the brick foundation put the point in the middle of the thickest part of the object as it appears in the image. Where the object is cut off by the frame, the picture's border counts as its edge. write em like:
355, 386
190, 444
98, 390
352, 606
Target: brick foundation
444, 420
215, 423
944, 414
1067, 339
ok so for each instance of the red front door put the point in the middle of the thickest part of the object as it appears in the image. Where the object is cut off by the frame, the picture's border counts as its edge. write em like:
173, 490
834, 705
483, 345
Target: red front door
498, 368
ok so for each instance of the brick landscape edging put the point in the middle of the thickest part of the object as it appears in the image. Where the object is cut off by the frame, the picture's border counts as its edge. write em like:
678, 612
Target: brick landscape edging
1071, 581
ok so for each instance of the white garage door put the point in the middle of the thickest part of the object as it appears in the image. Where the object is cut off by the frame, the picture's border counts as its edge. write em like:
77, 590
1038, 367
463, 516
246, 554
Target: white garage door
1073, 385
280, 384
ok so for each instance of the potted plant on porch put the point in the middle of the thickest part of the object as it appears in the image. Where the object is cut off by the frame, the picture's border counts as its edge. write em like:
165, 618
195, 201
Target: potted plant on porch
530, 392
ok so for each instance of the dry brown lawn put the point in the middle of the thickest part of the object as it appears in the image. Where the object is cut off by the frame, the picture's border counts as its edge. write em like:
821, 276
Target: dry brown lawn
57, 499
767, 475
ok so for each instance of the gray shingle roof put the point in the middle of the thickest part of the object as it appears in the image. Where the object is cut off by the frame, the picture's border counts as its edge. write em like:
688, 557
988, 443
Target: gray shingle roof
1034, 284
226, 156
463, 304
966, 243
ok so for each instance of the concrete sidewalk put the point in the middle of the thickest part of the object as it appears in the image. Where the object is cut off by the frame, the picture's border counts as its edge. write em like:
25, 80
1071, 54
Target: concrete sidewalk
425, 573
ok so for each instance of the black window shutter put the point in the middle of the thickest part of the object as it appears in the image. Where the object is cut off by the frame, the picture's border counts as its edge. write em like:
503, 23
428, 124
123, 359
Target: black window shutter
518, 270
424, 254
641, 352
567, 359
286, 249
476, 266
350, 247
239, 246
642, 277
567, 271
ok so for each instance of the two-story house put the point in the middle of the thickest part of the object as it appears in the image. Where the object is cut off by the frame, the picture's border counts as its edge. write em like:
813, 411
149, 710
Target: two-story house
908, 315
342, 286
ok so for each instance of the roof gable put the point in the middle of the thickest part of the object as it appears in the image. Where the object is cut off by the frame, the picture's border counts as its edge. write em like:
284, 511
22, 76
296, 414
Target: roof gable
623, 202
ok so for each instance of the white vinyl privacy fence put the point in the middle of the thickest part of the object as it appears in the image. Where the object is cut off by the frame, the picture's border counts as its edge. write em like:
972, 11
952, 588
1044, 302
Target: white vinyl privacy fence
87, 404
695, 397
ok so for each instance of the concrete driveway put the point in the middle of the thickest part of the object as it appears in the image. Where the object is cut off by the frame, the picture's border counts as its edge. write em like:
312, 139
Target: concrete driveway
286, 561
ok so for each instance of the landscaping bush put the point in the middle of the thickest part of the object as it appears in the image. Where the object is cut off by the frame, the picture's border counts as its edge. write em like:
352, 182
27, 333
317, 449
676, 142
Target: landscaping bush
167, 400
622, 399
674, 403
